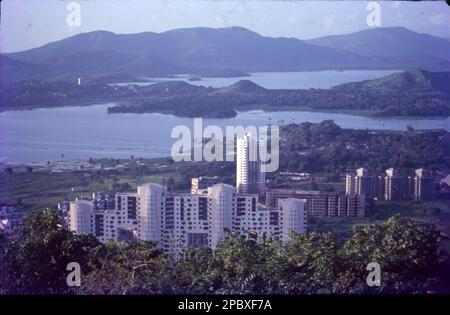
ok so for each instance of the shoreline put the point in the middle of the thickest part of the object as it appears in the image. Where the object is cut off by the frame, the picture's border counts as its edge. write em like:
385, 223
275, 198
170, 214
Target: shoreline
243, 109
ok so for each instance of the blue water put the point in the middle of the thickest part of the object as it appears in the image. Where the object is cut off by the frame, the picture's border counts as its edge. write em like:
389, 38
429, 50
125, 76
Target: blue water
285, 80
81, 132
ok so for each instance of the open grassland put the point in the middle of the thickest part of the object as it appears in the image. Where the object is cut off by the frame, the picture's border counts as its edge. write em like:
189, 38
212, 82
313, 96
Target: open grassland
46, 189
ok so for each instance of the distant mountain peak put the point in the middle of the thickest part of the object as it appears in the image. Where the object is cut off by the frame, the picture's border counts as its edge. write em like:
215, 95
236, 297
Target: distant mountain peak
407, 80
94, 34
389, 28
397, 47
208, 50
241, 28
244, 86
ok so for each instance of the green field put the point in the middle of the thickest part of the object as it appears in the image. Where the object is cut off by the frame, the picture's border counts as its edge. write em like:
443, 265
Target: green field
46, 189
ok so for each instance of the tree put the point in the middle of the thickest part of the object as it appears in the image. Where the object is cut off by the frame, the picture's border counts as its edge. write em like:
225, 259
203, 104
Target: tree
128, 268
37, 265
194, 272
311, 263
406, 252
241, 265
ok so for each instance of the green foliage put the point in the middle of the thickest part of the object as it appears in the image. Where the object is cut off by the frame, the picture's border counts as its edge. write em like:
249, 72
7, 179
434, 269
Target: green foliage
133, 268
241, 265
193, 272
325, 147
407, 254
310, 263
37, 265
410, 93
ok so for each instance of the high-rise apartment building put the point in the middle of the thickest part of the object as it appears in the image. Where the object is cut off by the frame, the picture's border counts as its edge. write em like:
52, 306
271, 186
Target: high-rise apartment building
392, 187
396, 187
222, 202
250, 177
321, 204
423, 185
362, 183
151, 205
179, 220
292, 217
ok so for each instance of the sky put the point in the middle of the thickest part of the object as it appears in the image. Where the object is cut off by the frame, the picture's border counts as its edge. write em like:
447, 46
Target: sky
27, 24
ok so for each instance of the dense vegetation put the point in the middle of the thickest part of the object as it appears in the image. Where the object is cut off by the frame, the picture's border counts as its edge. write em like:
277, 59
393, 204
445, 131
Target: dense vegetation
411, 93
325, 147
310, 263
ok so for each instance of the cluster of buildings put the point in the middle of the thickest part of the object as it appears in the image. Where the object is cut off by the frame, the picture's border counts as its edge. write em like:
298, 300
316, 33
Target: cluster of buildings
178, 220
199, 218
322, 204
392, 186
202, 217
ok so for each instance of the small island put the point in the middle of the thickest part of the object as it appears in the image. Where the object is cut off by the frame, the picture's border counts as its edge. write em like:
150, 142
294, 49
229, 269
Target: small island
410, 93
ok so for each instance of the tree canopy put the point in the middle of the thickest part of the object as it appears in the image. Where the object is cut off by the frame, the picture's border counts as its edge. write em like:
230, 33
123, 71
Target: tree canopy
311, 263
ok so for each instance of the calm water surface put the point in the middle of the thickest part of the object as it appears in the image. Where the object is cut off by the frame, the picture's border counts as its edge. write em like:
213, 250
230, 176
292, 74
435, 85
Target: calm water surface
81, 132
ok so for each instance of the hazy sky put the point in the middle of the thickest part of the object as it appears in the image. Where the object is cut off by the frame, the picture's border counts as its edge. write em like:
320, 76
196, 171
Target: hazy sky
31, 23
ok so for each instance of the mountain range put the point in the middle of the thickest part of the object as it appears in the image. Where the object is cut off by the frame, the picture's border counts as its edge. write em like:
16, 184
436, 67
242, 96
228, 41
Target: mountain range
207, 50
397, 47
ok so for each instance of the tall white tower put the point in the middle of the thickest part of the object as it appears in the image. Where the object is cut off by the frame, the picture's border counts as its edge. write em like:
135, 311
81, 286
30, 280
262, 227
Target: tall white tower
221, 197
293, 217
80, 213
151, 198
250, 178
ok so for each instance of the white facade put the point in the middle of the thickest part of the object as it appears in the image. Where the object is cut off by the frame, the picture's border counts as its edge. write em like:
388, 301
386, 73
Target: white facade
81, 212
221, 196
176, 220
292, 217
151, 197
250, 177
